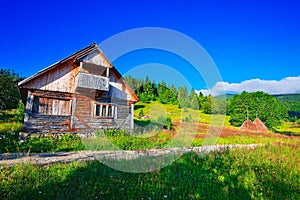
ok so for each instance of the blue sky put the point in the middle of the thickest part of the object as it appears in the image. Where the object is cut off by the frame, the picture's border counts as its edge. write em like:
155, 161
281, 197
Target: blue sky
247, 40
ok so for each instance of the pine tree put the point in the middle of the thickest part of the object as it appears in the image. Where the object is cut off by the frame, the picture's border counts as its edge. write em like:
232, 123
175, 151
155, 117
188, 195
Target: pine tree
194, 100
9, 92
183, 97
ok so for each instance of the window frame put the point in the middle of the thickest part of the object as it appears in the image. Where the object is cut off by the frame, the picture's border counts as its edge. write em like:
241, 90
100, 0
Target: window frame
104, 110
53, 108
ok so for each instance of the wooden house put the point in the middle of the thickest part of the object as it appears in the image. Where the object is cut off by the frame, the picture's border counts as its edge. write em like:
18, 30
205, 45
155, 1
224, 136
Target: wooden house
80, 93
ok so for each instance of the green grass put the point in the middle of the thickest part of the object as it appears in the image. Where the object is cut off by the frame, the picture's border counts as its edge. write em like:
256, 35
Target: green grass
10, 126
154, 109
185, 134
10, 142
269, 172
288, 128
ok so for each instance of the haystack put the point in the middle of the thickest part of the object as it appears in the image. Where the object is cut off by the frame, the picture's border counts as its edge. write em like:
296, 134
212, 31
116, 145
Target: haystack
248, 126
260, 126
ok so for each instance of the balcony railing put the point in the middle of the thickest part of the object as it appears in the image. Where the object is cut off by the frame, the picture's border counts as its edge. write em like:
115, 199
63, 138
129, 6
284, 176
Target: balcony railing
91, 81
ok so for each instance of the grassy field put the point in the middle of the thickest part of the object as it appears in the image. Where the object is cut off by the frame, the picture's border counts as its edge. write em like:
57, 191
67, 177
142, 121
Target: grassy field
190, 128
289, 128
270, 171
155, 109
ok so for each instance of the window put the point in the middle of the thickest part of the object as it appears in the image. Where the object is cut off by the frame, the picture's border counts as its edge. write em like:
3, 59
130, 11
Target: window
105, 110
49, 106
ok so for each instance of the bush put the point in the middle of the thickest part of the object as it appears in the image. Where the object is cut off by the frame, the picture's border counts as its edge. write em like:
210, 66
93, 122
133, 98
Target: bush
166, 122
141, 114
187, 118
114, 132
19, 115
9, 142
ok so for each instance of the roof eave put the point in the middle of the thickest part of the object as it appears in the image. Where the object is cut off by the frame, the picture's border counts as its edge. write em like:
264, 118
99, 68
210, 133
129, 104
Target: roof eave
80, 53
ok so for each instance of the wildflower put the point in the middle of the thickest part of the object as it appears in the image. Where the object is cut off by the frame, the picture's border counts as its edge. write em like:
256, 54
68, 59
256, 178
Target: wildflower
165, 196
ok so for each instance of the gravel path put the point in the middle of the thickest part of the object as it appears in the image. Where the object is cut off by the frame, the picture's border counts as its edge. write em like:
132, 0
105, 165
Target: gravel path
10, 159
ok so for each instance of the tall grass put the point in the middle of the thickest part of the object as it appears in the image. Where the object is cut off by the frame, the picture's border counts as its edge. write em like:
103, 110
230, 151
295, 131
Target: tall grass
269, 172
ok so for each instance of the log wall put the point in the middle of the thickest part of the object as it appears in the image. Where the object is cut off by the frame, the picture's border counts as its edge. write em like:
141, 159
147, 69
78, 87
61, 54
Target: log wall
84, 118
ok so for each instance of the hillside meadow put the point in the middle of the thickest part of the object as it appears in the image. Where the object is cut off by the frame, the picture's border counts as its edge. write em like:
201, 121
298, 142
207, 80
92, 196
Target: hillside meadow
269, 171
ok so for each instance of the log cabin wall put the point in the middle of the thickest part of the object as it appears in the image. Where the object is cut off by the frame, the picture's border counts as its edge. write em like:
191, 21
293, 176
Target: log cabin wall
49, 99
95, 110
81, 93
47, 111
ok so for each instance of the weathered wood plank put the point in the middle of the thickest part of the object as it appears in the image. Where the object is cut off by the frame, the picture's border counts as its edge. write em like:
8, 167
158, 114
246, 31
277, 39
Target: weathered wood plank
93, 82
53, 95
61, 78
29, 104
47, 123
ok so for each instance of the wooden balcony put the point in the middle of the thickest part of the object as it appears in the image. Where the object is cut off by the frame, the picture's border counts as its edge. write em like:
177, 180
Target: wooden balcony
91, 81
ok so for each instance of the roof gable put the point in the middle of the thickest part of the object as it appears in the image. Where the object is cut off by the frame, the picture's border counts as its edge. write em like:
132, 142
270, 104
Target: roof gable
61, 70
95, 57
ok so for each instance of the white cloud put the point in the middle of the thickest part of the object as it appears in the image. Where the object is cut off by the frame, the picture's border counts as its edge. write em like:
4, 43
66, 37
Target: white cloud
287, 85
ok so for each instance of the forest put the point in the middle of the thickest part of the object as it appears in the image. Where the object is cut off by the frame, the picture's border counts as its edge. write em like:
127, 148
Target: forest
271, 109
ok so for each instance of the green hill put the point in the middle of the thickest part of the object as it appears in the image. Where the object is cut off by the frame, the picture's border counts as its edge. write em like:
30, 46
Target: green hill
228, 96
288, 97
281, 97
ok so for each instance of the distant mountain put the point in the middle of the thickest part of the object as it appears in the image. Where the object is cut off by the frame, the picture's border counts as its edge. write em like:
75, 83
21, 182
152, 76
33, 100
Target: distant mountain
282, 97
228, 96
288, 97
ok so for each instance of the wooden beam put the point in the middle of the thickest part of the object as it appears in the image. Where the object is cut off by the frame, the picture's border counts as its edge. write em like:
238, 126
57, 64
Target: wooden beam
83, 122
52, 94
132, 115
116, 111
29, 103
107, 72
73, 109
101, 107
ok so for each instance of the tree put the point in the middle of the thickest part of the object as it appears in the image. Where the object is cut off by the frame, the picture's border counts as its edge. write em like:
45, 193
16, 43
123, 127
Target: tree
9, 92
161, 90
218, 106
183, 97
135, 83
201, 98
194, 100
149, 91
166, 95
173, 95
206, 104
257, 104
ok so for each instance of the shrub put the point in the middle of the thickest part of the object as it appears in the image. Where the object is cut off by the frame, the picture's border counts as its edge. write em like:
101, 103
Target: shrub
166, 122
9, 142
19, 115
187, 118
141, 114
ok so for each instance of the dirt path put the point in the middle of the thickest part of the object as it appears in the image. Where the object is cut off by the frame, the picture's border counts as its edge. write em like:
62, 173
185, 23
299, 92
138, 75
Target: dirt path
10, 159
